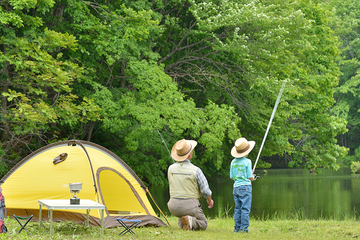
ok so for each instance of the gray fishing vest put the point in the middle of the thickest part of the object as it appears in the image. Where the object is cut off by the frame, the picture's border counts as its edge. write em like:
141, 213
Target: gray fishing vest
182, 181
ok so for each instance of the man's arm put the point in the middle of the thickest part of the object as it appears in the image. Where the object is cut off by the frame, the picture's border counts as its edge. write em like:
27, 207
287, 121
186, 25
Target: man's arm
203, 183
204, 187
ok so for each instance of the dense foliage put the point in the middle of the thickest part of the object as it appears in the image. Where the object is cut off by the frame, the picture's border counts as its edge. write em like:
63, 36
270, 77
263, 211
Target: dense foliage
115, 72
345, 23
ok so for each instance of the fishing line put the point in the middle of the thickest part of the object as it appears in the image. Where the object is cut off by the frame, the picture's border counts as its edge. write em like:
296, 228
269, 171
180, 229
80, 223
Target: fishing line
164, 143
268, 127
147, 190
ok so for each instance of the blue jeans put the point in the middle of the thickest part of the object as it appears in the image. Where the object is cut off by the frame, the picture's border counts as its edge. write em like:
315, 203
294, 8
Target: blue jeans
242, 197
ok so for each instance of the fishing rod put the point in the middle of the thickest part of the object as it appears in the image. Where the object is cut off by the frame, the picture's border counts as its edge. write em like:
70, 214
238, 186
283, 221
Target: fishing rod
268, 127
164, 143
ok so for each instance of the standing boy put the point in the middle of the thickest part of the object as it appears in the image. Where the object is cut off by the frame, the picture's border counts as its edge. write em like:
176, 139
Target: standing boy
241, 173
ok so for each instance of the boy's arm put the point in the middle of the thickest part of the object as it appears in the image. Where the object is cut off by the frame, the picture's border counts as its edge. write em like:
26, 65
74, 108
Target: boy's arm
252, 178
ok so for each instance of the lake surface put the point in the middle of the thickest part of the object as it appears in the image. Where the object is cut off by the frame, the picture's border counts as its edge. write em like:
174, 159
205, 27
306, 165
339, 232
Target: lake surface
332, 194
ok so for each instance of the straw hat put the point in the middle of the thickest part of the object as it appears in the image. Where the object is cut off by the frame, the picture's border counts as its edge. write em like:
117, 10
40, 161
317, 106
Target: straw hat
242, 147
182, 149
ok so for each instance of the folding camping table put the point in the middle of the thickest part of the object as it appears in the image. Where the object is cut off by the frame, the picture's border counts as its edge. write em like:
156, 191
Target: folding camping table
65, 204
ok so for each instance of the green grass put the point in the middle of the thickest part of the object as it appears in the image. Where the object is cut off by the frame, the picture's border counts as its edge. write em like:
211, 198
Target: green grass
282, 226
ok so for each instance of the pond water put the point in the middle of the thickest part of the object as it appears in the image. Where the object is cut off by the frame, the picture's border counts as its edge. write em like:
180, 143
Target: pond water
332, 194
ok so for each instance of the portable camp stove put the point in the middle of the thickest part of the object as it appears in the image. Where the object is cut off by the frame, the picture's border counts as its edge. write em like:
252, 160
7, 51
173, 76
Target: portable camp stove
75, 188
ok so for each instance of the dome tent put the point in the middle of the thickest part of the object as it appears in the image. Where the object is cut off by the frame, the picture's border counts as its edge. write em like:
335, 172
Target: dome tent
106, 179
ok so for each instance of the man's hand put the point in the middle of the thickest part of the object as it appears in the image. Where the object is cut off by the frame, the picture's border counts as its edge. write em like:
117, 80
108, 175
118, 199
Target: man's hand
210, 202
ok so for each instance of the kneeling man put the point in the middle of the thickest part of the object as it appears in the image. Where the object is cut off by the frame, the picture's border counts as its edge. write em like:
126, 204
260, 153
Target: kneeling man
187, 184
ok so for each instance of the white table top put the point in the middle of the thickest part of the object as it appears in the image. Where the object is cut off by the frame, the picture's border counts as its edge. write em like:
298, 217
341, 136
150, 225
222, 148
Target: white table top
65, 204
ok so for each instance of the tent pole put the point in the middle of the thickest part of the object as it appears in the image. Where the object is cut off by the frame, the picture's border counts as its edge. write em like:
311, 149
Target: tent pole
88, 157
147, 190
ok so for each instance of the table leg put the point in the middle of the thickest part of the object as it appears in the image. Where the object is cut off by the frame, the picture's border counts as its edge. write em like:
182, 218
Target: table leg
87, 218
51, 221
40, 223
102, 221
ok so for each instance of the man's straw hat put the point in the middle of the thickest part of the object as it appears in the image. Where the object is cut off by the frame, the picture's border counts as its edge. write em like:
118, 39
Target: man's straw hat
182, 149
242, 147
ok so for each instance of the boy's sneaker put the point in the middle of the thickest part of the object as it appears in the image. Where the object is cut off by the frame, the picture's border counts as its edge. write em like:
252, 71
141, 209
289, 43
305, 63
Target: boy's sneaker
186, 221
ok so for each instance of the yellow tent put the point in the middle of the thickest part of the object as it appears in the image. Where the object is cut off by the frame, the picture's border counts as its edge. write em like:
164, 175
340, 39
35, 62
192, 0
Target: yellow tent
105, 178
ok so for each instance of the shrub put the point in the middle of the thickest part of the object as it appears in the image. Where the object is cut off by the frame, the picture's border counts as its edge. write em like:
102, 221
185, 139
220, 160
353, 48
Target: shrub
355, 167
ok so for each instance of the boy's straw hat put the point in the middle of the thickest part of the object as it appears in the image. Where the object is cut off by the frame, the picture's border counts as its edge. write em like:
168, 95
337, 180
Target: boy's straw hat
242, 147
182, 149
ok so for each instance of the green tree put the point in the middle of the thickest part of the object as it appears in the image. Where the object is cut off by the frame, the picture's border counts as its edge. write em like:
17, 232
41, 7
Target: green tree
345, 24
203, 70
36, 80
239, 53
115, 69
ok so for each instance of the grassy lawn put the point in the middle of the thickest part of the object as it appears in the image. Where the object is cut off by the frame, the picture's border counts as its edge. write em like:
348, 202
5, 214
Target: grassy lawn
218, 228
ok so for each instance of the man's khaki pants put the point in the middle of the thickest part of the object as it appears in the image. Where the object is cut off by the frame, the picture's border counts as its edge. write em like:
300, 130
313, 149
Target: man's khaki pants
181, 207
